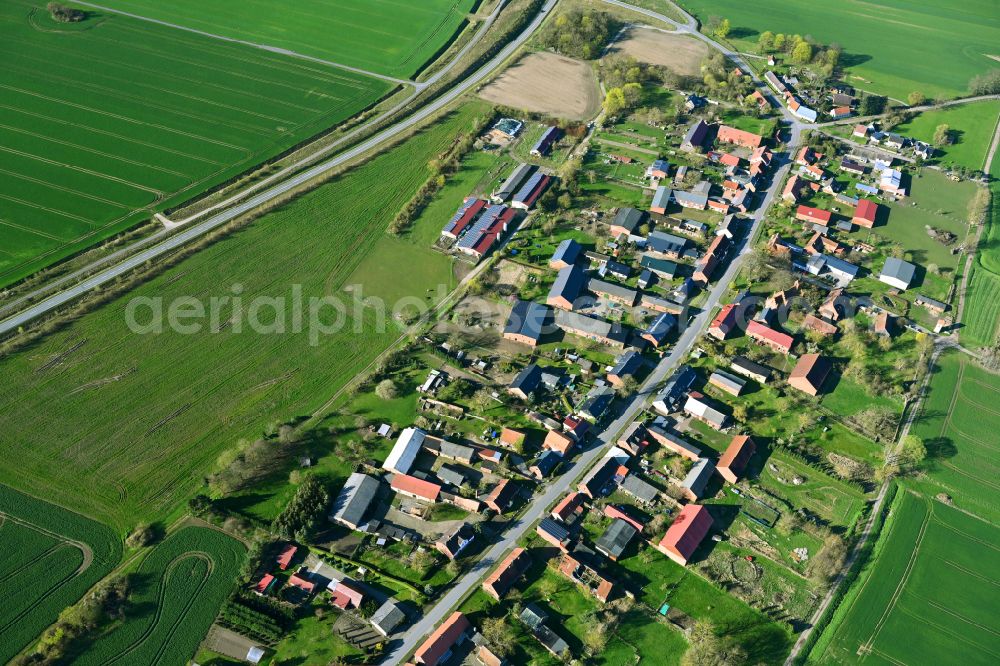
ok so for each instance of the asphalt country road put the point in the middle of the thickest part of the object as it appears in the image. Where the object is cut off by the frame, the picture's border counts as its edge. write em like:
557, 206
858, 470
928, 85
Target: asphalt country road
190, 233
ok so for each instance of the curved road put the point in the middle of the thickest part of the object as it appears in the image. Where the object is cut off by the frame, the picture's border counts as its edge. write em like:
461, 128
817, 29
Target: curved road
190, 233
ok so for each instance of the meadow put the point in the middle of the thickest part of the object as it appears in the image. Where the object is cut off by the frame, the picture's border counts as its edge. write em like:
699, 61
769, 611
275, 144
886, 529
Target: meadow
892, 47
959, 422
123, 426
930, 595
51, 557
177, 591
114, 119
383, 36
972, 126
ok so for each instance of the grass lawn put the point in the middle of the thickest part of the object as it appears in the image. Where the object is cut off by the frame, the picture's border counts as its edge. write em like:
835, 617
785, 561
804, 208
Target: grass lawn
313, 642
378, 35
878, 38
122, 128
972, 124
931, 591
123, 427
826, 496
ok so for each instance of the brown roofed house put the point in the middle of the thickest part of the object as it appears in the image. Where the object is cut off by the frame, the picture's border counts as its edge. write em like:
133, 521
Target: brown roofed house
810, 373
733, 462
438, 646
506, 574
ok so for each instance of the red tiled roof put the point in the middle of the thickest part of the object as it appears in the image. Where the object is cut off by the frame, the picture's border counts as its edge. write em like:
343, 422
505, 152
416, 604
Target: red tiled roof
297, 581
726, 316
687, 531
866, 210
511, 437
285, 558
813, 214
568, 505
737, 454
264, 583
740, 137
442, 640
344, 596
557, 441
611, 511
414, 486
729, 159
504, 576
755, 329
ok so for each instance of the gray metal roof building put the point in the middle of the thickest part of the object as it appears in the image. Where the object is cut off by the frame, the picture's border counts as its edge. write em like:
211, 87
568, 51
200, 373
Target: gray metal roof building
567, 252
513, 182
616, 539
639, 489
354, 500
699, 476
568, 285
387, 618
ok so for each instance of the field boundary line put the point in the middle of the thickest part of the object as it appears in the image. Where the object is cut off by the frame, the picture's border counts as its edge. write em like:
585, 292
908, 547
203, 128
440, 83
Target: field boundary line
263, 47
958, 638
867, 645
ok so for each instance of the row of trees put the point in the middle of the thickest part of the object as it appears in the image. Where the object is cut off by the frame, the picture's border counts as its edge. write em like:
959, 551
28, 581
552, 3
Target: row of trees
305, 513
800, 50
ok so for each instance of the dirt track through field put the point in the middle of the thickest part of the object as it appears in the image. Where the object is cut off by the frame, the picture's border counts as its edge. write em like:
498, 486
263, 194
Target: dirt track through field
679, 53
547, 83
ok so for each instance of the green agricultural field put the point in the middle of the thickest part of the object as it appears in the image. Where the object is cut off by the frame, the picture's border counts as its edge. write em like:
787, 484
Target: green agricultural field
50, 558
113, 119
930, 595
123, 427
892, 47
959, 422
178, 590
384, 36
971, 124
982, 299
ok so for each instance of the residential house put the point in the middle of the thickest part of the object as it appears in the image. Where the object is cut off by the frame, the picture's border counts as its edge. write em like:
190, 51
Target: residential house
833, 308
725, 322
559, 442
451, 545
597, 479
626, 365
286, 555
568, 507
674, 389
809, 373
697, 198
438, 647
891, 181
664, 268
882, 325
545, 464
852, 167
502, 496
658, 170
596, 402
733, 463
686, 533
553, 533
507, 573
810, 214
793, 189
345, 596
658, 330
